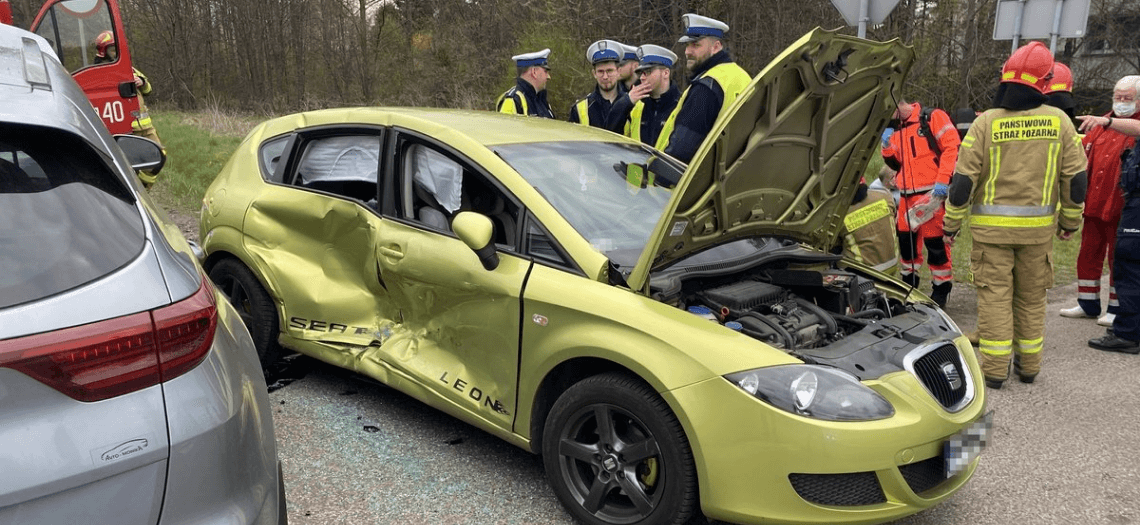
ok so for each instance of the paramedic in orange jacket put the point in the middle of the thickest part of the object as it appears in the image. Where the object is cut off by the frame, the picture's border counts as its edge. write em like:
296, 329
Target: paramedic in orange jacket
924, 156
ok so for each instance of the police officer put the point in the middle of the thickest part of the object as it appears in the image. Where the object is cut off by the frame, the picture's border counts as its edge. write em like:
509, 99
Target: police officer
716, 82
594, 109
528, 97
655, 98
1017, 162
627, 68
1124, 335
869, 230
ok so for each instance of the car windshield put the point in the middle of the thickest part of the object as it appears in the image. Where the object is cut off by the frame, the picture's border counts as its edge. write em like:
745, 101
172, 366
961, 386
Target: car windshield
612, 194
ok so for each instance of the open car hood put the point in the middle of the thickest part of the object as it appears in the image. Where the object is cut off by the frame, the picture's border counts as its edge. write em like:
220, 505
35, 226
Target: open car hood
787, 156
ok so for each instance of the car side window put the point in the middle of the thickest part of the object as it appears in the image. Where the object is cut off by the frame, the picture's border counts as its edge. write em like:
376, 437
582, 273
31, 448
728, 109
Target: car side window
345, 165
271, 152
540, 245
437, 186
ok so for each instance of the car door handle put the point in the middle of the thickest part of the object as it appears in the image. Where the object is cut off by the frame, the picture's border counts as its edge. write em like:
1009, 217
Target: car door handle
393, 253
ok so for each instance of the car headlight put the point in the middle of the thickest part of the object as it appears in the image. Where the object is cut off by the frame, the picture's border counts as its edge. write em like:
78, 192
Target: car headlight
814, 391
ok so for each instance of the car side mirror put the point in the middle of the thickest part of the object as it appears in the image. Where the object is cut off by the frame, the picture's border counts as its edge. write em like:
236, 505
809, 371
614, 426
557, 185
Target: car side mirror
142, 153
477, 232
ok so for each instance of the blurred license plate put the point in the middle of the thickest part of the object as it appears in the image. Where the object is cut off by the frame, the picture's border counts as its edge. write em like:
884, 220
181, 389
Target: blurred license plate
963, 447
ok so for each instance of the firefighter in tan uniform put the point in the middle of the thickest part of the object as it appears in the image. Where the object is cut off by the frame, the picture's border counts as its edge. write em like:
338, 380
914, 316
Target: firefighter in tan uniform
1017, 162
869, 230
106, 51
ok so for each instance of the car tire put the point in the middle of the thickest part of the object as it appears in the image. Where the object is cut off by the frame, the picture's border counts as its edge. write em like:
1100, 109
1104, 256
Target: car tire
254, 306
638, 469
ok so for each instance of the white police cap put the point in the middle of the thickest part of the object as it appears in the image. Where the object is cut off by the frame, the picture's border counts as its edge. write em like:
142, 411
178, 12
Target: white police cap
650, 55
538, 58
605, 51
629, 53
697, 27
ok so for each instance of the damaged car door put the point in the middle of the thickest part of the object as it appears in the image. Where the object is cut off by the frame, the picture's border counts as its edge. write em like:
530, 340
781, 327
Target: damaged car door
454, 327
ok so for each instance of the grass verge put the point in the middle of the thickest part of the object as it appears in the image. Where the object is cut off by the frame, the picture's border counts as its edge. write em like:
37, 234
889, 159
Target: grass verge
196, 152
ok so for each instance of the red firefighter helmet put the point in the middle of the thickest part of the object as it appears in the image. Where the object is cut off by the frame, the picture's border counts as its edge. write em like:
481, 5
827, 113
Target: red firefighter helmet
1062, 79
102, 42
1031, 65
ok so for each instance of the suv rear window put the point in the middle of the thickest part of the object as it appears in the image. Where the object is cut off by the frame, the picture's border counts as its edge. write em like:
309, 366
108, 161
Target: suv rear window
65, 218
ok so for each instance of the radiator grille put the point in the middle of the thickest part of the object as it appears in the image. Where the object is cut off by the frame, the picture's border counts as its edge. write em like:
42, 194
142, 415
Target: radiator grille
943, 374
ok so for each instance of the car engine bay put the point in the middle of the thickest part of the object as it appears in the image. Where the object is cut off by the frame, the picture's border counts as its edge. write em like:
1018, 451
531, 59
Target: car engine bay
801, 302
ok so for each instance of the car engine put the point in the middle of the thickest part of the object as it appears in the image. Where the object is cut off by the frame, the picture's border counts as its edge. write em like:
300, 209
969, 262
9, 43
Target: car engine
793, 309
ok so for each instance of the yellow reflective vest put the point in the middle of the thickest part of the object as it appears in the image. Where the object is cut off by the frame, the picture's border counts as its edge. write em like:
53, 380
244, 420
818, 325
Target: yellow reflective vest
869, 232
732, 80
1021, 164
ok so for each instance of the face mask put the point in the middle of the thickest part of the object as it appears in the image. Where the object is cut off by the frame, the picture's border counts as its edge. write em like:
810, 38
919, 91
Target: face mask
1124, 109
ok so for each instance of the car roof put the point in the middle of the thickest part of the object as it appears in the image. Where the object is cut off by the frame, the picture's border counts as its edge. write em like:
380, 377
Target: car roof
36, 89
485, 127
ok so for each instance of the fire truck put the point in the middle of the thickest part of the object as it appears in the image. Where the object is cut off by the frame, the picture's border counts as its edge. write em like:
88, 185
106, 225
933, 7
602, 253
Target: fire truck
72, 27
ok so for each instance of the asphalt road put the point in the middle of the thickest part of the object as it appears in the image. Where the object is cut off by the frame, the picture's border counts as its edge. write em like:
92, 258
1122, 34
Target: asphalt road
1065, 450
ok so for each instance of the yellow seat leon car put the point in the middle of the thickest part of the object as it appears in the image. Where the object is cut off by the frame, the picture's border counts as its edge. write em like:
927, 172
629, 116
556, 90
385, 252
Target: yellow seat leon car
673, 340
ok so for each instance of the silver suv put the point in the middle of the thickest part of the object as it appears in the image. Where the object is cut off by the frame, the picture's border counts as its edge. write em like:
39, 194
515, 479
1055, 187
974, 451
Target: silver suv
130, 390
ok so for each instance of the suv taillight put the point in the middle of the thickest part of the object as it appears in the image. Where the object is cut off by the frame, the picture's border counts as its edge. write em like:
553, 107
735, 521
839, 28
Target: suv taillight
114, 357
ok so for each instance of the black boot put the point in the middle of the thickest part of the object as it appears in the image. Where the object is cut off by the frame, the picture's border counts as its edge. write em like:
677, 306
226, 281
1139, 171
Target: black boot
1021, 376
1113, 343
941, 292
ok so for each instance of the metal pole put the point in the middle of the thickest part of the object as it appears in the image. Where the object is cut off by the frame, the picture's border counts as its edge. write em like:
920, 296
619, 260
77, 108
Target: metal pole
864, 16
1017, 25
1056, 27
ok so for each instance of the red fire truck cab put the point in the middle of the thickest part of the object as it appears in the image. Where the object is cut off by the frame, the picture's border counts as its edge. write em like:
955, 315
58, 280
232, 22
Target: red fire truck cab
72, 28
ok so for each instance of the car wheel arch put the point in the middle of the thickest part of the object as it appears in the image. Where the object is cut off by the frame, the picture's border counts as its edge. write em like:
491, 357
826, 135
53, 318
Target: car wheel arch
267, 332
566, 374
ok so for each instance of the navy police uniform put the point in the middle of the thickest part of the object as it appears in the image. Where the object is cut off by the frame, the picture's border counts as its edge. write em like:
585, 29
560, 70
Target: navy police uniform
714, 86
1126, 265
523, 99
594, 109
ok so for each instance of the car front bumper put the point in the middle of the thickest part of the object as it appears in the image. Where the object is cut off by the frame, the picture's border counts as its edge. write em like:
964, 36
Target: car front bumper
758, 464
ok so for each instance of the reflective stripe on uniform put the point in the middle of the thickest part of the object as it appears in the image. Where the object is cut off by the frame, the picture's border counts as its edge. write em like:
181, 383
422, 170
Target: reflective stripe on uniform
987, 346
1088, 296
968, 141
583, 107
1011, 210
884, 266
1050, 173
956, 213
866, 215
1030, 346
948, 127
1071, 213
1011, 222
995, 167
1088, 282
941, 276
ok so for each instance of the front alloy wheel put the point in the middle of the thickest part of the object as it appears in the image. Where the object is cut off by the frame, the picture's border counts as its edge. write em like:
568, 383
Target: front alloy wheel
615, 454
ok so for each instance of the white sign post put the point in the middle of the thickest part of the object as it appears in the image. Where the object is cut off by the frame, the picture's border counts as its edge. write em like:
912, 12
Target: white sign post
1052, 19
860, 12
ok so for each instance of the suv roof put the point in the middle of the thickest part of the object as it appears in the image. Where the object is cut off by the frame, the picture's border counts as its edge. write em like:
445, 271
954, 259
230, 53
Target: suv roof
35, 89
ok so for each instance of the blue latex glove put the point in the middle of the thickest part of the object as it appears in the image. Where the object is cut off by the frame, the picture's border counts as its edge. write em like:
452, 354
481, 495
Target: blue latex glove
887, 136
941, 190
